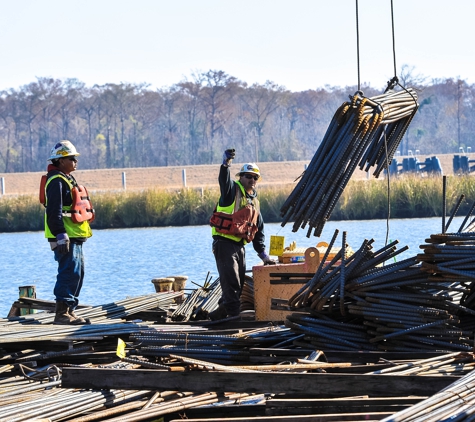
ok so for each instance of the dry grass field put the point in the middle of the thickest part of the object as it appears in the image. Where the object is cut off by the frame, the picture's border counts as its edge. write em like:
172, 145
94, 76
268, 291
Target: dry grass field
273, 174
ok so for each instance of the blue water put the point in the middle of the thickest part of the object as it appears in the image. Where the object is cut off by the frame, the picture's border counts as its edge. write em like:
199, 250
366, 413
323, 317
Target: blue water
121, 263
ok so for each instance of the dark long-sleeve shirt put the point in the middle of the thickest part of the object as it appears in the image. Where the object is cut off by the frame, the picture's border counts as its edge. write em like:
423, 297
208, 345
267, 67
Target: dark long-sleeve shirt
228, 188
58, 194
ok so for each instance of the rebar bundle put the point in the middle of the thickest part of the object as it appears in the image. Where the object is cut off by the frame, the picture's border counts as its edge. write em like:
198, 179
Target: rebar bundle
216, 348
102, 314
354, 302
454, 403
199, 303
364, 132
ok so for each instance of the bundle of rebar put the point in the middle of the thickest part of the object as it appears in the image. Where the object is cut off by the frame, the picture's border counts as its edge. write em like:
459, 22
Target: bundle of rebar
199, 303
364, 132
216, 348
205, 299
454, 403
452, 363
450, 256
103, 314
402, 306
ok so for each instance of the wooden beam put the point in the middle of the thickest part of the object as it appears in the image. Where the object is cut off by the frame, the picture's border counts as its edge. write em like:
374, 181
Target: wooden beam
351, 417
313, 385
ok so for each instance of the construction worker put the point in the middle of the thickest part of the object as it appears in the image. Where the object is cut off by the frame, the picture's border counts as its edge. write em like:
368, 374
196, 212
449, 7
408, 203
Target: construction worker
236, 221
67, 217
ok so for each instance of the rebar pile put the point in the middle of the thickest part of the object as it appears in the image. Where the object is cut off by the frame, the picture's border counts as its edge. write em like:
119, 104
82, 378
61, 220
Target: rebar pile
103, 314
450, 257
205, 299
452, 363
402, 306
454, 403
329, 334
364, 132
199, 303
26, 400
217, 348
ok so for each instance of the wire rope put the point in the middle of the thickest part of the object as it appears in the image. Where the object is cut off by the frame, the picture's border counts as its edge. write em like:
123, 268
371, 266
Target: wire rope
358, 47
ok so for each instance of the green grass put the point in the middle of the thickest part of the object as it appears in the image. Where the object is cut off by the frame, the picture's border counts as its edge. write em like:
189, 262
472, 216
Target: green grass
410, 197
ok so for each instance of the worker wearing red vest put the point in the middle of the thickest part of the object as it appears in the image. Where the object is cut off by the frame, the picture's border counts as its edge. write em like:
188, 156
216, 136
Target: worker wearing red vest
236, 221
65, 234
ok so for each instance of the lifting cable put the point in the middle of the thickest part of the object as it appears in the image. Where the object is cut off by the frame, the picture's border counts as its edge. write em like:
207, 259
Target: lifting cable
364, 132
358, 47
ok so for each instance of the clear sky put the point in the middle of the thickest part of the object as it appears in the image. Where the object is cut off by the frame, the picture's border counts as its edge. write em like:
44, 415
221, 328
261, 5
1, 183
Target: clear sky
299, 44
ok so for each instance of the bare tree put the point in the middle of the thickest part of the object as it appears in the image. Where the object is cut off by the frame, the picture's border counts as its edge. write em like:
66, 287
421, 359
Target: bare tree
191, 96
217, 93
260, 101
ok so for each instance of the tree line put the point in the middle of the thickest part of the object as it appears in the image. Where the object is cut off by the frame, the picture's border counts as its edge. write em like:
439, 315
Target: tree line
191, 122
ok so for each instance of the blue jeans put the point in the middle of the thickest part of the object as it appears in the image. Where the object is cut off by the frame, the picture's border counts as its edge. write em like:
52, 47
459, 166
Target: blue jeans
70, 275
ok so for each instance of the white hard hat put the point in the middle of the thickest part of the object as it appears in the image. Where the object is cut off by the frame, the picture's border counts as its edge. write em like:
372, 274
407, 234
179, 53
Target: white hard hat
63, 149
249, 168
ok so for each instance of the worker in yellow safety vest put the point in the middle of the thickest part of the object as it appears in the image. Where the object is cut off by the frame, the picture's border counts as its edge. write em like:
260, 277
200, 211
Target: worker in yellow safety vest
235, 222
67, 217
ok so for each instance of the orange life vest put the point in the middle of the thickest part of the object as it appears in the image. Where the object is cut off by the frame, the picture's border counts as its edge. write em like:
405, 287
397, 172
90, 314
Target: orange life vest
238, 220
81, 207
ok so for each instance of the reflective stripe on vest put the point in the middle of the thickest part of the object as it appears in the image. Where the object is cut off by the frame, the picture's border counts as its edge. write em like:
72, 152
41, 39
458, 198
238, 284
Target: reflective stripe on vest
240, 201
72, 229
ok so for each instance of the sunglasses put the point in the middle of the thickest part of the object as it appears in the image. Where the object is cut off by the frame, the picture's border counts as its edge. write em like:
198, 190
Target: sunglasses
250, 176
72, 159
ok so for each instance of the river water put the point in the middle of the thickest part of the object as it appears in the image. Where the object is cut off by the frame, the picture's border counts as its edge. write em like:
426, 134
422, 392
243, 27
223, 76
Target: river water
121, 263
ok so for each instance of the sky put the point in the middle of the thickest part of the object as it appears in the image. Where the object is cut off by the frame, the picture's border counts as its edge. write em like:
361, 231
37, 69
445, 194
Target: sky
297, 44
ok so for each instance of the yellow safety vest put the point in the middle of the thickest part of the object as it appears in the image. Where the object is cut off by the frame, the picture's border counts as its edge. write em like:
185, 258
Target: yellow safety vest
72, 229
240, 201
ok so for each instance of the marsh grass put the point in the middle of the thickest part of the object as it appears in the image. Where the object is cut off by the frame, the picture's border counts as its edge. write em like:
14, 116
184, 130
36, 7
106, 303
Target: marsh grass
410, 197
21, 213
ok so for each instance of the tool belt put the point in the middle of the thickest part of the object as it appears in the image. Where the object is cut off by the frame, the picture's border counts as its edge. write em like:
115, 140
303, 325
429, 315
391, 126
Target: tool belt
242, 223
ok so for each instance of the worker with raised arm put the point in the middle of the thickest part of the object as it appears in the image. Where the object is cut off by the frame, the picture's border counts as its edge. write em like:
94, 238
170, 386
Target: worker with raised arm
68, 212
236, 221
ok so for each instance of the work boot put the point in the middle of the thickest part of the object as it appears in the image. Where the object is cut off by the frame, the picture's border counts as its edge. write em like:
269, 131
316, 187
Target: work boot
77, 319
219, 313
62, 316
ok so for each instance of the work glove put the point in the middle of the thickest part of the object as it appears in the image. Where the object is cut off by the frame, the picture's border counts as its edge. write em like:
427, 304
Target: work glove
62, 240
266, 258
228, 156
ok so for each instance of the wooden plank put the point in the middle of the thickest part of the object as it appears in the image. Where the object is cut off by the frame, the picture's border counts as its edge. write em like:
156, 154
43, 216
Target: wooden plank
342, 411
39, 304
345, 401
313, 385
367, 417
302, 406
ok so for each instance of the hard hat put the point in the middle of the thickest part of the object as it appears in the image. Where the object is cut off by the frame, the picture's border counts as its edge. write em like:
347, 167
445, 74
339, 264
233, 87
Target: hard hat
249, 168
63, 149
